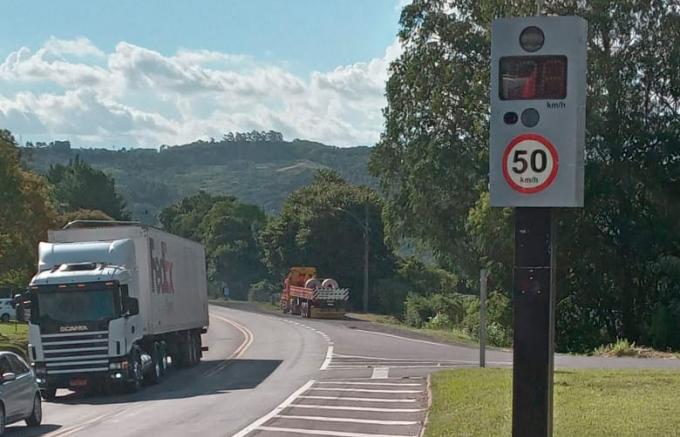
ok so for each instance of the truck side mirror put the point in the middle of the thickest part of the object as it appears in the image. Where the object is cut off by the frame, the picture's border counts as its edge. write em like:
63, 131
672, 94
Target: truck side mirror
131, 306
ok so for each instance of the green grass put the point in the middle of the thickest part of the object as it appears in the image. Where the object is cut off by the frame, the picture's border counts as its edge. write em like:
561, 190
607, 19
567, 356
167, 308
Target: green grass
478, 402
445, 335
14, 337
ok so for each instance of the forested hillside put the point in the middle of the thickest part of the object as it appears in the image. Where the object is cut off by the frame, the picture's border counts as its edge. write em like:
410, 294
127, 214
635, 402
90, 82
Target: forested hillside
259, 169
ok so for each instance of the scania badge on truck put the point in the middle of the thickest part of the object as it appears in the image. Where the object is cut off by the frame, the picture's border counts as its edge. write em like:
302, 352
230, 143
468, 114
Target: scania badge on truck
112, 304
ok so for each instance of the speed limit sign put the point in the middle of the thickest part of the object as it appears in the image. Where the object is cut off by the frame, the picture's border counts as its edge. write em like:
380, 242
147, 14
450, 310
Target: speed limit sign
530, 163
538, 109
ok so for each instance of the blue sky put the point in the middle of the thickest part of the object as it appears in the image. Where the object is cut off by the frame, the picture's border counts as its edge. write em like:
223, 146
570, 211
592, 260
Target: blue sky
171, 71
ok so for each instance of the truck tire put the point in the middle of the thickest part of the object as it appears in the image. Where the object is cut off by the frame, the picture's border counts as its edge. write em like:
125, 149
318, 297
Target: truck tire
136, 377
156, 364
49, 393
3, 419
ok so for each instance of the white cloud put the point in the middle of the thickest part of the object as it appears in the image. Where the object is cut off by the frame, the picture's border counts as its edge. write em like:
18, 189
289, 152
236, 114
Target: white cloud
135, 96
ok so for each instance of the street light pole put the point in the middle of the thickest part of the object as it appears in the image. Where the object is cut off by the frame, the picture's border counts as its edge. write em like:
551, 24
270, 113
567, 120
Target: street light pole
364, 228
366, 256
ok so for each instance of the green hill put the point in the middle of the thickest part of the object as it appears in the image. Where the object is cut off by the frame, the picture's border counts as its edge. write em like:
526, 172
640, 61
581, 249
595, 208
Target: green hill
258, 172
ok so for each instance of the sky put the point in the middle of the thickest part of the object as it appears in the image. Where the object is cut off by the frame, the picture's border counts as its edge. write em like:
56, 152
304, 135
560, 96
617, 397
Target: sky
144, 73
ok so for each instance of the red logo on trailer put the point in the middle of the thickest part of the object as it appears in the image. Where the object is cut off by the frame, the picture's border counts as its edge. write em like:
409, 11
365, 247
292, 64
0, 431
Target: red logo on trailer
530, 163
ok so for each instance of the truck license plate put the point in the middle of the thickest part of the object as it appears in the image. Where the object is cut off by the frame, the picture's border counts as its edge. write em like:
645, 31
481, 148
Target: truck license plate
78, 382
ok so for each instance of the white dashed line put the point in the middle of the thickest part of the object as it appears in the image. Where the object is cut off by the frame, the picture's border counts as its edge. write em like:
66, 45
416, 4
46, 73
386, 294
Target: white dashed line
364, 390
350, 420
340, 398
337, 407
380, 373
328, 433
398, 384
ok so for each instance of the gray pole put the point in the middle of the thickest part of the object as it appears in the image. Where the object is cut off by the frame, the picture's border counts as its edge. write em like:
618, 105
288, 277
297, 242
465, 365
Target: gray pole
483, 275
366, 257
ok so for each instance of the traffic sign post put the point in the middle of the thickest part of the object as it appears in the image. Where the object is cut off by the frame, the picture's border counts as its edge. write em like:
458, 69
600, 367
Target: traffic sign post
538, 90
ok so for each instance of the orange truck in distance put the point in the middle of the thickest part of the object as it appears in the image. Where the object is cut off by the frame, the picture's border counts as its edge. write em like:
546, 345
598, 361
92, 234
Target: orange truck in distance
306, 295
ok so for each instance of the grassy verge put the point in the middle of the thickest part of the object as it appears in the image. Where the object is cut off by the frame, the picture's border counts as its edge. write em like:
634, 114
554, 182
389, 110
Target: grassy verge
478, 402
14, 337
446, 335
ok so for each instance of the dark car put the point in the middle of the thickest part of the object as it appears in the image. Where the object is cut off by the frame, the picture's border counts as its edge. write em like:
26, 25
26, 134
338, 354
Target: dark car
19, 393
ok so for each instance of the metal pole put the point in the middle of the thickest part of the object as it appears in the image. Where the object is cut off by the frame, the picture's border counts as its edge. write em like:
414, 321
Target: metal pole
366, 257
483, 275
534, 323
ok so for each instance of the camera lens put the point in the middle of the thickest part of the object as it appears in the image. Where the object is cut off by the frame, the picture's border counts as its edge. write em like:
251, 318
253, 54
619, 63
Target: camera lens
531, 39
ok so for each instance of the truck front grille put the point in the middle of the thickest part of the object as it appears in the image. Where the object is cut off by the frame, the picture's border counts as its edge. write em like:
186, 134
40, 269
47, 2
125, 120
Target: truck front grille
76, 352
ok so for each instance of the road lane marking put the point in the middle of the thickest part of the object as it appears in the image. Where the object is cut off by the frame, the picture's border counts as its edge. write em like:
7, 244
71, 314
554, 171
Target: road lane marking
328, 433
376, 409
79, 427
403, 338
364, 390
347, 419
398, 384
247, 341
380, 373
329, 357
289, 400
340, 398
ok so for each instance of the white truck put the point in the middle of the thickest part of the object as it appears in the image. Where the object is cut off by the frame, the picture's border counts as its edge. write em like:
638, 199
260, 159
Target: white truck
112, 304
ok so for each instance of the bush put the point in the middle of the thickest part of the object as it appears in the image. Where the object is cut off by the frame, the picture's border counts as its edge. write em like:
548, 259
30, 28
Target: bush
498, 319
421, 309
387, 296
262, 291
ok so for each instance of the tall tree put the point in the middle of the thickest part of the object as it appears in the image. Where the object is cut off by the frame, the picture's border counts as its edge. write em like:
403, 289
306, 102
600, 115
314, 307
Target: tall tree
80, 186
228, 229
619, 254
26, 212
321, 225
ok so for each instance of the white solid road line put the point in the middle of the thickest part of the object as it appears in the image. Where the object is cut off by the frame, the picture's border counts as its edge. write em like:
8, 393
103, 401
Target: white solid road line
364, 390
329, 357
328, 433
247, 341
398, 384
380, 373
256, 424
341, 398
402, 338
346, 419
336, 407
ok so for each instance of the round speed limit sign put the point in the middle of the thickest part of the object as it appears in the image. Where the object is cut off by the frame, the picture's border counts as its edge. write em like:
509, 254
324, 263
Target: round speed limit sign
530, 163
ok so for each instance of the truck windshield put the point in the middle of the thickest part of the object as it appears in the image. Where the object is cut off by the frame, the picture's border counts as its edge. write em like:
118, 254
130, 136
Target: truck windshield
77, 305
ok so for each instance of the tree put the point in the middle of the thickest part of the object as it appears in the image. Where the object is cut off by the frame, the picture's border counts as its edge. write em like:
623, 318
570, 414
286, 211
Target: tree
321, 225
80, 186
26, 212
617, 256
228, 229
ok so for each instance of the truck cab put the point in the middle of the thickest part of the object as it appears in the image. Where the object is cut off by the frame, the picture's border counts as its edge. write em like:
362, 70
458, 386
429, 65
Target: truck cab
82, 318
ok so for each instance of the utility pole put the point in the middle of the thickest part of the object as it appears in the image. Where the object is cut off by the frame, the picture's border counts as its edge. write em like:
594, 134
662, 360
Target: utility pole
365, 231
366, 256
483, 276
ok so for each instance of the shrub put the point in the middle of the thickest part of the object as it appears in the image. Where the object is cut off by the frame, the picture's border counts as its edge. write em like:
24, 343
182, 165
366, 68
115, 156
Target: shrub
262, 291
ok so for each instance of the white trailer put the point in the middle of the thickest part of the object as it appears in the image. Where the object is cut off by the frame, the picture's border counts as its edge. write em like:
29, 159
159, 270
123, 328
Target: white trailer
111, 302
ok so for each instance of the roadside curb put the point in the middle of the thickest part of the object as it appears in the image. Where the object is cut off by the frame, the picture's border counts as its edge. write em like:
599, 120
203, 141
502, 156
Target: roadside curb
429, 405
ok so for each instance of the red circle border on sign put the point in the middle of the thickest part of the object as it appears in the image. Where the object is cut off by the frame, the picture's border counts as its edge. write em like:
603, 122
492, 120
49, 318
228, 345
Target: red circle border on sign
553, 172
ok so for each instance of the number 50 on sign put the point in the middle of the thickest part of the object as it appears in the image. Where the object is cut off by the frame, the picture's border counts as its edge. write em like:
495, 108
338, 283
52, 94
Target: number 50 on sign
530, 163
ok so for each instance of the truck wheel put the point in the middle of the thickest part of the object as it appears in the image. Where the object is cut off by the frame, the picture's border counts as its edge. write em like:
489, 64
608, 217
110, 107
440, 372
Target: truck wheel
49, 393
199, 352
5, 317
36, 415
156, 364
136, 374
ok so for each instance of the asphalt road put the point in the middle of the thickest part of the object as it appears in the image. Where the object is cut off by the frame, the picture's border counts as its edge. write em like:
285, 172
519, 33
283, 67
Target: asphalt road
267, 375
